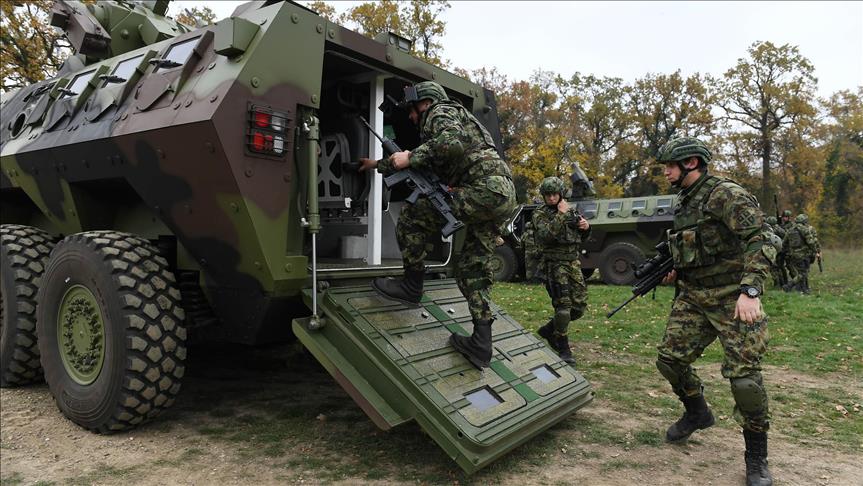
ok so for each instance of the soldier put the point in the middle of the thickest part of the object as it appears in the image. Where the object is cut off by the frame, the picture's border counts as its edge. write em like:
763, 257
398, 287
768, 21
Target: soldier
803, 248
778, 270
786, 219
558, 232
532, 256
459, 150
722, 255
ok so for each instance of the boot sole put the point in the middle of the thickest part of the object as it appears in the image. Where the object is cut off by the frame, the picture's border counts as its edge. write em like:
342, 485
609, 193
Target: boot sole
394, 299
684, 438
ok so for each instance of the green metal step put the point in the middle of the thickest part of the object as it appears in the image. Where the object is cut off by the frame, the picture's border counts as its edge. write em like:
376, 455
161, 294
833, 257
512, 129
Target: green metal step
396, 363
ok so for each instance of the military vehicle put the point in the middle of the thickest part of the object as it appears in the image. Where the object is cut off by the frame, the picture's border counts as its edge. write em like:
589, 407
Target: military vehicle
173, 182
624, 231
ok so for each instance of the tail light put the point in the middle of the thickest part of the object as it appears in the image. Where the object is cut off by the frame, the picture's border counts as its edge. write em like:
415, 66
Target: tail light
267, 131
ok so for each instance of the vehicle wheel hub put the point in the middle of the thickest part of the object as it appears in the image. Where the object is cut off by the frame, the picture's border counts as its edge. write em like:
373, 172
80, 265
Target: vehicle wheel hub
81, 335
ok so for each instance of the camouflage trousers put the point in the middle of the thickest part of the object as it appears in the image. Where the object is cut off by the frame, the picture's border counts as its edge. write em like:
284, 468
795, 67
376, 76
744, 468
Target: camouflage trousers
700, 315
565, 285
798, 271
483, 207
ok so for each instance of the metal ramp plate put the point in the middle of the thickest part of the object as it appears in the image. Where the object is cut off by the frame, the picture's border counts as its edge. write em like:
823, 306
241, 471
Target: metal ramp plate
397, 365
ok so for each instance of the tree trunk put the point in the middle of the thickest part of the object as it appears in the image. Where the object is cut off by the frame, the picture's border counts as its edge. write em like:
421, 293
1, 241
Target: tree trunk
766, 152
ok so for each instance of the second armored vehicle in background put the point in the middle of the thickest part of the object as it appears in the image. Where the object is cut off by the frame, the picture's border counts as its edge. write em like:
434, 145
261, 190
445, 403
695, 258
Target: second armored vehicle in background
624, 231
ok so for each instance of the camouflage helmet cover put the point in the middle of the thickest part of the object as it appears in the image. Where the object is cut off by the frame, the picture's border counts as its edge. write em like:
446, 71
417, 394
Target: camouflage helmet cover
786, 213
771, 220
551, 185
680, 149
802, 218
426, 90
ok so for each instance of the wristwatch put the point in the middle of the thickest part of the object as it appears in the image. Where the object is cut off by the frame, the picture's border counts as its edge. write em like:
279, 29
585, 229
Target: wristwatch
750, 291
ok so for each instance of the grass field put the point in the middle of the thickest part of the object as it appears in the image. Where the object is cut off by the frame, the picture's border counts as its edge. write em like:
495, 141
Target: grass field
819, 335
273, 415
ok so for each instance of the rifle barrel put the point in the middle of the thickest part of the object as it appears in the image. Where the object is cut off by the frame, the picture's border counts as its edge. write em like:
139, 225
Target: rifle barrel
622, 305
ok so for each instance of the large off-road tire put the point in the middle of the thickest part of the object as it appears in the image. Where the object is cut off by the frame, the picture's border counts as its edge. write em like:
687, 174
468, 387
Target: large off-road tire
616, 263
24, 253
111, 330
504, 263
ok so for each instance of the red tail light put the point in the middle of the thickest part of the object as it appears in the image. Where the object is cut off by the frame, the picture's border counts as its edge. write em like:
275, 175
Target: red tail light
262, 119
266, 132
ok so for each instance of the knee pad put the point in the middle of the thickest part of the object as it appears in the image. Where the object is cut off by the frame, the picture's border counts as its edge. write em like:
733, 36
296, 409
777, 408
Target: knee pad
749, 394
561, 318
669, 370
576, 313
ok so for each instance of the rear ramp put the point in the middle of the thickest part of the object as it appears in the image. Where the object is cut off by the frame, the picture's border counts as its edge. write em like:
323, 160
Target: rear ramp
396, 363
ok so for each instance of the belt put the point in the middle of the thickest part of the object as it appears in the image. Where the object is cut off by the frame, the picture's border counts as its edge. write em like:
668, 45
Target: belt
719, 280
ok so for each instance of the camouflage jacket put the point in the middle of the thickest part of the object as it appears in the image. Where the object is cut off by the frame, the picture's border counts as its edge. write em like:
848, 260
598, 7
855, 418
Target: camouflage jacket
556, 234
455, 146
801, 241
720, 236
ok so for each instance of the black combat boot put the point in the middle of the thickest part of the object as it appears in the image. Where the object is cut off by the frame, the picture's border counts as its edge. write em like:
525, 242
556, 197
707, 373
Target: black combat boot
757, 473
408, 290
697, 416
563, 349
547, 332
477, 347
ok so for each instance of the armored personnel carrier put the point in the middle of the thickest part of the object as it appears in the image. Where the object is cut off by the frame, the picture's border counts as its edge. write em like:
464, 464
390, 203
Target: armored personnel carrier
171, 181
624, 231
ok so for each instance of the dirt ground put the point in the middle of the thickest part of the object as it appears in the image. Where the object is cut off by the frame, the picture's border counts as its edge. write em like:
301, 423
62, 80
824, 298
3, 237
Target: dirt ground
191, 444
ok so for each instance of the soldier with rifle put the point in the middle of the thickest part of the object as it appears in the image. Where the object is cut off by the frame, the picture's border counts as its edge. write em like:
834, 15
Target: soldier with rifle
458, 149
778, 270
721, 252
803, 249
559, 231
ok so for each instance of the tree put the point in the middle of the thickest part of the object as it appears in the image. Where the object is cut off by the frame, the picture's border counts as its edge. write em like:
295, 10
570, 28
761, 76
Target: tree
197, 17
773, 88
30, 49
841, 205
663, 106
373, 18
323, 9
418, 20
421, 22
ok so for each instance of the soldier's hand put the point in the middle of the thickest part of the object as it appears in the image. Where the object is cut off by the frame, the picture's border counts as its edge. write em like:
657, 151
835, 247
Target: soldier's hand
748, 309
401, 160
563, 206
583, 225
367, 164
670, 277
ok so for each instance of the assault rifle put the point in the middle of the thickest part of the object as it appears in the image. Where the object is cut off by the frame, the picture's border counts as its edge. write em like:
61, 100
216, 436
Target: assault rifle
820, 268
780, 258
650, 274
423, 183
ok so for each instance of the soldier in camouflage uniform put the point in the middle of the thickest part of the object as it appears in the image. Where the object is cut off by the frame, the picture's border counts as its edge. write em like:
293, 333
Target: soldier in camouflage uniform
558, 232
722, 255
777, 270
458, 149
803, 248
532, 256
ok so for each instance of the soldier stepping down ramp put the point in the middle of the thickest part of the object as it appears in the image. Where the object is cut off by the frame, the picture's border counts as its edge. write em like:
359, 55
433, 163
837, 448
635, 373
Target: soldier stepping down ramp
395, 362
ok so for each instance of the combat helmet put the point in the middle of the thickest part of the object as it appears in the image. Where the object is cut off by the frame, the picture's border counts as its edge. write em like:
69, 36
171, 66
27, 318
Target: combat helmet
802, 218
771, 220
426, 90
786, 213
680, 149
551, 185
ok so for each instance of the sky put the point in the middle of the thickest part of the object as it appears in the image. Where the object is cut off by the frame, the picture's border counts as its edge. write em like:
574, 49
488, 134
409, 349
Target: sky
631, 39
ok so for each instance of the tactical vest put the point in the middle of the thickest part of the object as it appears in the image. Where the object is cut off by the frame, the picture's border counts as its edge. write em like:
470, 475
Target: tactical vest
566, 248
706, 253
795, 237
480, 153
